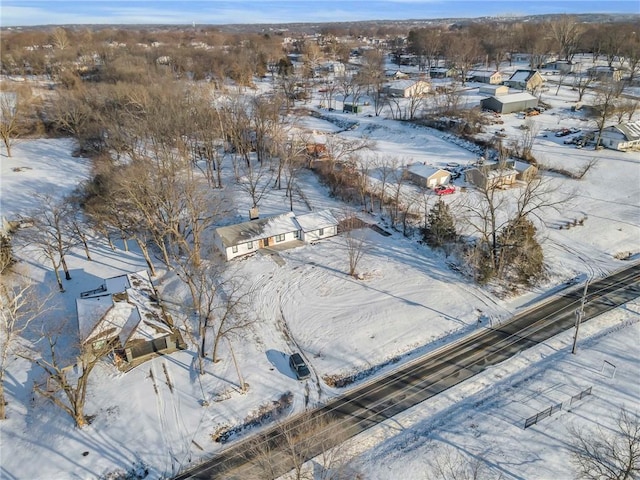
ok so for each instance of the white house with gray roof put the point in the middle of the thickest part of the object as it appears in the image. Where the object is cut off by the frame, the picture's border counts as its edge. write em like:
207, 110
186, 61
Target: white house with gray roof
624, 136
249, 237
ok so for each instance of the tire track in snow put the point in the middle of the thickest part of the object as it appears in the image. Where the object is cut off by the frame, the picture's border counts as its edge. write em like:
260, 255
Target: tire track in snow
166, 441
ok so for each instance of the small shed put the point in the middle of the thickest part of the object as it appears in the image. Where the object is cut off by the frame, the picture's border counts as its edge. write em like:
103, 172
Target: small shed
624, 136
514, 102
427, 175
351, 108
493, 90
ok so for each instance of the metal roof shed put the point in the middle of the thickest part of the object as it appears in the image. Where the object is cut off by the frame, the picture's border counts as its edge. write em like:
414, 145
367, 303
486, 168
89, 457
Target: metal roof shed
515, 102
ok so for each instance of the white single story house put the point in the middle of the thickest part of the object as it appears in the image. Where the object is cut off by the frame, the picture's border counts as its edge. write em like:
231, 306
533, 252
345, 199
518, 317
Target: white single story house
623, 136
125, 314
407, 88
248, 237
509, 103
427, 175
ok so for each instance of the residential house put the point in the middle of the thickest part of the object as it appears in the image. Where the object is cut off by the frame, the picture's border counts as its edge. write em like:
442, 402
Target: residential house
624, 136
442, 72
317, 225
335, 68
491, 77
407, 88
396, 74
526, 171
528, 80
125, 314
512, 102
603, 72
279, 230
564, 66
492, 175
427, 175
493, 90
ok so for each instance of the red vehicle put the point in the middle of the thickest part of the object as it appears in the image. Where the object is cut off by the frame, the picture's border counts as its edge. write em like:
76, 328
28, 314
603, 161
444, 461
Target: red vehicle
444, 189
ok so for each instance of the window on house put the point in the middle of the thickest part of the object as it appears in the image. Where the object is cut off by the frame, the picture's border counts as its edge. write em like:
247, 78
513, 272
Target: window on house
296, 234
280, 238
250, 245
321, 232
234, 249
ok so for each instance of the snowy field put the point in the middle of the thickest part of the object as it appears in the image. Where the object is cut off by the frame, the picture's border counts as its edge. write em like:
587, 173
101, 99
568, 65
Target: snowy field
162, 414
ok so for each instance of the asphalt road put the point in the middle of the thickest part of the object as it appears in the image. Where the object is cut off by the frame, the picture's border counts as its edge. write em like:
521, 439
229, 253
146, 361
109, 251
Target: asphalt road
278, 449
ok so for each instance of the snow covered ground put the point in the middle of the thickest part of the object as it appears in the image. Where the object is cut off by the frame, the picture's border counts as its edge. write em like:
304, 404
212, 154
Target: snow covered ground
162, 414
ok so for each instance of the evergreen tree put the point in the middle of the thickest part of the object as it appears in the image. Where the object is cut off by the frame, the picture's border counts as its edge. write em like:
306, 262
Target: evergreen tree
521, 255
285, 67
441, 227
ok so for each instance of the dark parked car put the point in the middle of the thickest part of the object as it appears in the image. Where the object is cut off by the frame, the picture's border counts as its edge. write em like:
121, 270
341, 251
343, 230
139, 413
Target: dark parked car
298, 366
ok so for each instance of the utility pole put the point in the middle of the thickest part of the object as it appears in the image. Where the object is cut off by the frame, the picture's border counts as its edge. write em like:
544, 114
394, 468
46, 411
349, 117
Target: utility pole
579, 316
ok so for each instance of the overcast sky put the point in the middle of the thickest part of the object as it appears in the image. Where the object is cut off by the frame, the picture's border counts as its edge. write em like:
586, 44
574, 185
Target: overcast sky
30, 12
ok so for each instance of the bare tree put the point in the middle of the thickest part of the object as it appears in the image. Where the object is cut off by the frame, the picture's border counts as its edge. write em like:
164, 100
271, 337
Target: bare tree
13, 110
66, 381
610, 455
463, 51
605, 104
19, 306
355, 241
293, 159
385, 168
50, 233
255, 180
582, 82
59, 38
290, 446
523, 146
566, 32
492, 210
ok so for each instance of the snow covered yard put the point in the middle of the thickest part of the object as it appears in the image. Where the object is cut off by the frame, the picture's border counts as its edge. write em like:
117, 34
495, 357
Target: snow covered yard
161, 415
